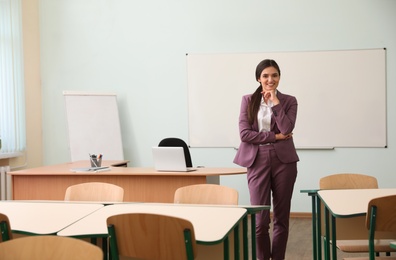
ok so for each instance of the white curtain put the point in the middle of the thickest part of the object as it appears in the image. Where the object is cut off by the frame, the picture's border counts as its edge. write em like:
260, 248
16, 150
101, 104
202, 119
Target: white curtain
12, 100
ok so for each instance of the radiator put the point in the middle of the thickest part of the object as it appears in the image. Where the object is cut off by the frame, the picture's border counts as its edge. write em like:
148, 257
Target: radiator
5, 183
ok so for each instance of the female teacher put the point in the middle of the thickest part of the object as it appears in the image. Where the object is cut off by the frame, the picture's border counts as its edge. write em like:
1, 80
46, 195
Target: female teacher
266, 124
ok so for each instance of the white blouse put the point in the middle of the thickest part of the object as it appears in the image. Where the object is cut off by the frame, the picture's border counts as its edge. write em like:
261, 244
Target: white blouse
264, 116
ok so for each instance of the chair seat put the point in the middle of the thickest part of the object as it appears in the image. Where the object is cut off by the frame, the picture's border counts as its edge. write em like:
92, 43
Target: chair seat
362, 246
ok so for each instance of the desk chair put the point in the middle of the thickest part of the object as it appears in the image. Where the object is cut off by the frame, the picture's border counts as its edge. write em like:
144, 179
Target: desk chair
206, 194
151, 236
381, 216
5, 228
49, 247
95, 191
177, 142
217, 195
351, 232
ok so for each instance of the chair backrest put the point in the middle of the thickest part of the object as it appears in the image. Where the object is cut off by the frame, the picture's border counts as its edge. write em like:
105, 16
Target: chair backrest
348, 181
348, 228
177, 142
385, 217
206, 194
5, 228
381, 216
49, 247
151, 236
94, 191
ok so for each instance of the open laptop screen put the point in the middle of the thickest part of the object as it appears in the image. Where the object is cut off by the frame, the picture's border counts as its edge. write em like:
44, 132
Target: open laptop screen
170, 159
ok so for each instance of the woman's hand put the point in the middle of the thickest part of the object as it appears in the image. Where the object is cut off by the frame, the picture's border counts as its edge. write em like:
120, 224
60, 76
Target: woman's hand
270, 95
281, 136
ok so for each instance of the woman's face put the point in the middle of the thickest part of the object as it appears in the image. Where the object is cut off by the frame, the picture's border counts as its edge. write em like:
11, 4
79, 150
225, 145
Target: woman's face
269, 79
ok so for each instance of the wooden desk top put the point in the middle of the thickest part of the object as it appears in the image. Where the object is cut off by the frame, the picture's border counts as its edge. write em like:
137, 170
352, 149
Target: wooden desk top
65, 169
349, 203
211, 224
44, 218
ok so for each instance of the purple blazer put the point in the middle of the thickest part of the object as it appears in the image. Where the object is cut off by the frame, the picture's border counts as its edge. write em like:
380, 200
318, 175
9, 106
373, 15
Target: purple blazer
282, 121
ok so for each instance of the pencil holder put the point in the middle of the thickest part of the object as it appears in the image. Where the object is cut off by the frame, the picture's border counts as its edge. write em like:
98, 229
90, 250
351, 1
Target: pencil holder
96, 162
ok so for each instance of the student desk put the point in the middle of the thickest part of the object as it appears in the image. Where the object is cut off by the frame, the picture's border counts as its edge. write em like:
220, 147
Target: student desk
212, 225
44, 218
345, 204
140, 184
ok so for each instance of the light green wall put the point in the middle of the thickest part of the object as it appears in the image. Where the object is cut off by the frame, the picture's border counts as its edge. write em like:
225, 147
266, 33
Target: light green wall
137, 49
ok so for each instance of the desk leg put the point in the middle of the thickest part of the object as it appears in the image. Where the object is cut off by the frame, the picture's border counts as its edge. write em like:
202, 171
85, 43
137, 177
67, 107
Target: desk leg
316, 226
94, 241
236, 243
314, 223
105, 248
253, 232
226, 248
245, 238
319, 228
327, 235
333, 238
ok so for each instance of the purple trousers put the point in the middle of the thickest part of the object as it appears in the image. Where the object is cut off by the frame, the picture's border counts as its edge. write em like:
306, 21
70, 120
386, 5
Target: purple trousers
265, 175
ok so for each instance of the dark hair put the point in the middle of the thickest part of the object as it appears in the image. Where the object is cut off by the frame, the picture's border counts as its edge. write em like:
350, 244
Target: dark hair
254, 104
265, 64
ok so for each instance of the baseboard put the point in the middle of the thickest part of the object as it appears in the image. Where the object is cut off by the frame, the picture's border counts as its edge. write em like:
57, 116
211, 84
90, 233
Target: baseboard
300, 215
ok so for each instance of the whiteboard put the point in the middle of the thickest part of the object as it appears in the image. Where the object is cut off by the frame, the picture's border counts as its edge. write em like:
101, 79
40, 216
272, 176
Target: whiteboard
341, 96
93, 125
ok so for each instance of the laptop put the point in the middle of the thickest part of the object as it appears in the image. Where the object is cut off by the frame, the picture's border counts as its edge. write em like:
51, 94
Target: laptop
170, 159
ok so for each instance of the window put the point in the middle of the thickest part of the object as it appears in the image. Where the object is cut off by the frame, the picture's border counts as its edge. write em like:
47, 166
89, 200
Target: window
12, 100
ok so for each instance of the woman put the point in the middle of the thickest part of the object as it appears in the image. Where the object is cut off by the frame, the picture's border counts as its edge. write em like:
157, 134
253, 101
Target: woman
266, 124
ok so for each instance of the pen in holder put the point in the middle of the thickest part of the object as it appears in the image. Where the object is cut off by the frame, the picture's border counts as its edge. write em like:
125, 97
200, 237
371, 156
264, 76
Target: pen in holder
96, 161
